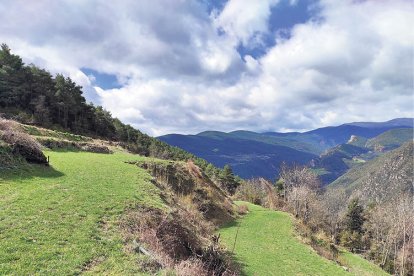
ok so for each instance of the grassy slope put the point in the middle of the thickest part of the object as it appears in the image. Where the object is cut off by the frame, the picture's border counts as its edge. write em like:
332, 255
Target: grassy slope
58, 220
359, 266
392, 138
266, 245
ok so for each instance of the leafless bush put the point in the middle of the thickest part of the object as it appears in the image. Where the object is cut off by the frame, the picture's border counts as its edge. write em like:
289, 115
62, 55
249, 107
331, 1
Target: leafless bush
194, 169
190, 267
21, 143
8, 125
187, 209
300, 186
174, 242
243, 209
258, 191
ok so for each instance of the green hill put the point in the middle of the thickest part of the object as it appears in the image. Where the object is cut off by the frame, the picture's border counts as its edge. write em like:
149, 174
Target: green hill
390, 139
380, 179
67, 207
59, 219
357, 141
266, 245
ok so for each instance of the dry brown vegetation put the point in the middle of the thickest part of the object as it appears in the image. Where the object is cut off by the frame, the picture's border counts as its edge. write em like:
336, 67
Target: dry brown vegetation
171, 241
386, 234
180, 179
242, 209
181, 239
53, 143
21, 143
258, 191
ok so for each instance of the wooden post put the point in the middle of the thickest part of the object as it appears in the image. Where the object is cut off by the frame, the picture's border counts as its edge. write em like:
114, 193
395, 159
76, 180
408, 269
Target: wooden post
235, 239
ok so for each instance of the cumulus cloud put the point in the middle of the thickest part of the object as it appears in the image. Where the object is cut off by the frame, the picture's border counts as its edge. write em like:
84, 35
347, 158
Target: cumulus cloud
181, 71
245, 21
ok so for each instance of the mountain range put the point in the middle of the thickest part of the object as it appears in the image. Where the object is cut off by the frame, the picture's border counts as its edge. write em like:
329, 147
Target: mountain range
331, 151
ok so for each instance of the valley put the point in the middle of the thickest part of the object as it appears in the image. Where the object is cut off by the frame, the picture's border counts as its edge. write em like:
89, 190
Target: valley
302, 163
331, 151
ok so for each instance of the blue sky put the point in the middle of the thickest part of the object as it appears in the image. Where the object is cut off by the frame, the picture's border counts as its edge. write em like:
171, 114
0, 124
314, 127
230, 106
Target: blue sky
188, 66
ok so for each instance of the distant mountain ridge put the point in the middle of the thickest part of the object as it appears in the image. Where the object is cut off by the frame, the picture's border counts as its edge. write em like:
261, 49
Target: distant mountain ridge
248, 158
253, 154
398, 122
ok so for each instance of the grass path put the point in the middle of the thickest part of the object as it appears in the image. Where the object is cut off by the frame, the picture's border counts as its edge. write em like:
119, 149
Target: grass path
266, 245
62, 220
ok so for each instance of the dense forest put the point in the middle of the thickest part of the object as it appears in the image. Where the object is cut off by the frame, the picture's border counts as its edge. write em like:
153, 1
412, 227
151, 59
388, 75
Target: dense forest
31, 95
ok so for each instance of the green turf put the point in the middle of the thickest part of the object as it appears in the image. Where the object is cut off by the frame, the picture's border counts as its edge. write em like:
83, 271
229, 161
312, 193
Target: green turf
359, 266
266, 245
57, 220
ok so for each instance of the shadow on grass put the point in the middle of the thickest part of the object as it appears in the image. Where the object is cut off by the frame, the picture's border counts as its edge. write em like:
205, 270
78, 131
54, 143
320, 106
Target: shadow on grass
233, 223
28, 171
232, 255
75, 150
238, 263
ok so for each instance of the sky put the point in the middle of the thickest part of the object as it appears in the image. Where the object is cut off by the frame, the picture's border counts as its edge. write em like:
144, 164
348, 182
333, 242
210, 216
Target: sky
177, 66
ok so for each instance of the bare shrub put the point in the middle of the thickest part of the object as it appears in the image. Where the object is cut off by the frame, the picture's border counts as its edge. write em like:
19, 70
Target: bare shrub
21, 143
191, 267
300, 187
258, 191
194, 169
243, 209
8, 125
191, 212
252, 191
174, 242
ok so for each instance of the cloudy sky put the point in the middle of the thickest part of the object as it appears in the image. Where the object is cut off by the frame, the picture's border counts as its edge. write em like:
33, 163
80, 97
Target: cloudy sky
176, 66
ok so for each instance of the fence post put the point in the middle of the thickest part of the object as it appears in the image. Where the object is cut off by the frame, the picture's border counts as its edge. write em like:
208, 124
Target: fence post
235, 239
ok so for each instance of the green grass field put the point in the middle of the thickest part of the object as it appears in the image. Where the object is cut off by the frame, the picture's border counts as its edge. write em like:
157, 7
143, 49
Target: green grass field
266, 245
359, 266
63, 219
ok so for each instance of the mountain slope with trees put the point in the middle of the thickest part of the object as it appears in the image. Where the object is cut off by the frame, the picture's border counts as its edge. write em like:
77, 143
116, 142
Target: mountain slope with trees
33, 96
254, 154
382, 179
248, 158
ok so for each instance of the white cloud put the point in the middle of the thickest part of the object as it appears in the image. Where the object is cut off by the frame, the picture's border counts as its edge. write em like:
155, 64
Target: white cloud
243, 20
182, 73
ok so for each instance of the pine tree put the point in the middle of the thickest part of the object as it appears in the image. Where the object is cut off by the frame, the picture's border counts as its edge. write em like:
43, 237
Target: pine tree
355, 217
228, 180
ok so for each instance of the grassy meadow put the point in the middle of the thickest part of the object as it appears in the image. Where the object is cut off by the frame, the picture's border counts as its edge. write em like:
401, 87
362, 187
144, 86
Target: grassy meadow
266, 245
62, 219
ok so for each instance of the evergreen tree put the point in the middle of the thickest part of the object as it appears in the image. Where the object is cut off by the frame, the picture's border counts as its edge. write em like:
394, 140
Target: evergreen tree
32, 95
355, 217
228, 180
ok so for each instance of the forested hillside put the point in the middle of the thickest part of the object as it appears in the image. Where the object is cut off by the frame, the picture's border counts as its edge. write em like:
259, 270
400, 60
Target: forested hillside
254, 154
31, 95
381, 180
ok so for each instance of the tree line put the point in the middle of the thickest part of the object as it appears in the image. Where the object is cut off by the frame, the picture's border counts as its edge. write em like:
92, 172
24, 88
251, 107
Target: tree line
32, 95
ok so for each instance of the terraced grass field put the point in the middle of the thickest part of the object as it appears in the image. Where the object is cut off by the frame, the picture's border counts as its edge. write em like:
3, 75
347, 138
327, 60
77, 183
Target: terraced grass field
62, 219
266, 245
